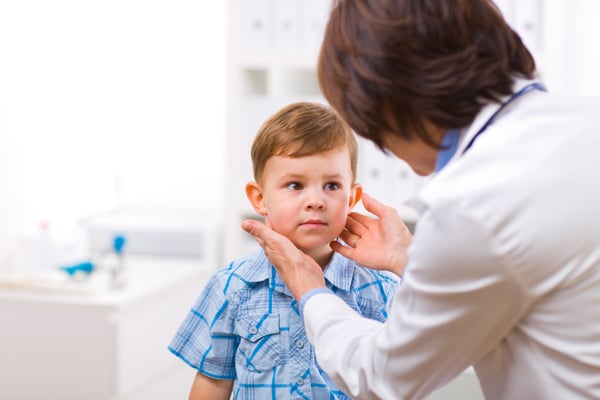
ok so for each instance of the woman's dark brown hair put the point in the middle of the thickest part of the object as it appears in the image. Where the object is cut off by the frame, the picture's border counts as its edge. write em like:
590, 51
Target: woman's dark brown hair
391, 65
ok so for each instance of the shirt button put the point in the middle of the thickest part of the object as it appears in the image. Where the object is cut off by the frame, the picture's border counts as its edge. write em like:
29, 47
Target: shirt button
300, 381
253, 330
299, 344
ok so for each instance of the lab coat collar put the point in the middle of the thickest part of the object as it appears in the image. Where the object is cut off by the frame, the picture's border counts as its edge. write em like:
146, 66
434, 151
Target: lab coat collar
484, 115
466, 135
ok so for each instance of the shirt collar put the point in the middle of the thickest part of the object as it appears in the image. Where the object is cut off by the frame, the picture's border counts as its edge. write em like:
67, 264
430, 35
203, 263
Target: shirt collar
338, 272
449, 146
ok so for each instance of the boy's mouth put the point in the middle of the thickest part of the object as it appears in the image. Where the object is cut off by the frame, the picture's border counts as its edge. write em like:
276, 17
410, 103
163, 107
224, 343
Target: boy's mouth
313, 222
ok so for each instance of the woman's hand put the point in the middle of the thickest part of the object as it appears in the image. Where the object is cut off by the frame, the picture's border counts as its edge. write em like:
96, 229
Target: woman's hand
299, 272
378, 243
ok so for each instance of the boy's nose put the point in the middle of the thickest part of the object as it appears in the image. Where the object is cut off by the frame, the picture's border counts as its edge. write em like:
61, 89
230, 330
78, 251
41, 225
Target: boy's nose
314, 200
315, 205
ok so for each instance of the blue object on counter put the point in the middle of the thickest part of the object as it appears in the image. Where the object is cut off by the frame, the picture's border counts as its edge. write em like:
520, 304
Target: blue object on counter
86, 267
119, 244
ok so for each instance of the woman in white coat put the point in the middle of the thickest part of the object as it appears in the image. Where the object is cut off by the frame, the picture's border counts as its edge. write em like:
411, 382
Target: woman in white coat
503, 271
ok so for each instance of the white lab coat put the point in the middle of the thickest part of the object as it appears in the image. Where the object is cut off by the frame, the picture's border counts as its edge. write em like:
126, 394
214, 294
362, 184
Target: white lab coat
504, 270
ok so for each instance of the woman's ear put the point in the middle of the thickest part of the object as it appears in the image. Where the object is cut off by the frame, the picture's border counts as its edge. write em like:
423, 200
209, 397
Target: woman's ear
355, 194
255, 196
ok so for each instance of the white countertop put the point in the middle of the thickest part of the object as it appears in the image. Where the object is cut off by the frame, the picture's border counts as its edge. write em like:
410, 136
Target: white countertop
144, 276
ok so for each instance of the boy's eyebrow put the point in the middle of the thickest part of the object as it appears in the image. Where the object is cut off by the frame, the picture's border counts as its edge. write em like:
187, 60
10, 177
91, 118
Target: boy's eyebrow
334, 176
293, 175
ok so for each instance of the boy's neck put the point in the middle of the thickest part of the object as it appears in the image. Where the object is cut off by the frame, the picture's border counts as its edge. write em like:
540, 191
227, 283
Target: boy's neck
322, 255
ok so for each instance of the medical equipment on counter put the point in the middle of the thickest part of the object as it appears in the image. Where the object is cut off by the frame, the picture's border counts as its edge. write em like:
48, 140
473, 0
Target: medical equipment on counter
70, 272
86, 267
158, 232
113, 262
118, 274
97, 262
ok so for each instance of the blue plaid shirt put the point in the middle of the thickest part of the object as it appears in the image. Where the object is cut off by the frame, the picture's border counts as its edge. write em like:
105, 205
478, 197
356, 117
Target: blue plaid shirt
246, 326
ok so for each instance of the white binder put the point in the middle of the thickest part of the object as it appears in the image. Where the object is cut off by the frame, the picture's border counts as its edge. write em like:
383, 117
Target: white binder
257, 25
286, 25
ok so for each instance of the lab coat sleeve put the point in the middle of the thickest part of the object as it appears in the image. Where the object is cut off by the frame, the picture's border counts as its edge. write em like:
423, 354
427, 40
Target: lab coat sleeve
459, 297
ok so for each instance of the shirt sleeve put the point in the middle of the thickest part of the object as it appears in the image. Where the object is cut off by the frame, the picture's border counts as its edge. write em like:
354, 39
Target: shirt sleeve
308, 295
205, 339
450, 310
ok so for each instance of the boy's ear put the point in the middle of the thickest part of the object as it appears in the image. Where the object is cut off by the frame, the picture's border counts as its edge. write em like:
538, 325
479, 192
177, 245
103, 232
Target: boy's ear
355, 194
255, 196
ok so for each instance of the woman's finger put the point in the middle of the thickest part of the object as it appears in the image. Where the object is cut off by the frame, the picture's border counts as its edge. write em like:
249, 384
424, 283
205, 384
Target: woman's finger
263, 235
373, 206
357, 223
340, 248
348, 237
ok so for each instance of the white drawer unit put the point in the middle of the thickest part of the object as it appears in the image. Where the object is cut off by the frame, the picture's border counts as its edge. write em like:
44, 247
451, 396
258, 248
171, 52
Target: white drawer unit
105, 345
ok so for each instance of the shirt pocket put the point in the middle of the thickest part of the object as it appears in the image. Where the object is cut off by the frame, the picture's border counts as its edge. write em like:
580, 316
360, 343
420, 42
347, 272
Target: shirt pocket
260, 342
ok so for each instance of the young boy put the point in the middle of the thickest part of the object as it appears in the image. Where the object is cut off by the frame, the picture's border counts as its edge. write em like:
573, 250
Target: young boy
244, 334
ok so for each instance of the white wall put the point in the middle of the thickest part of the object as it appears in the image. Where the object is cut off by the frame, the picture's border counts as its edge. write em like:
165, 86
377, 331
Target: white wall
562, 35
113, 101
585, 39
107, 101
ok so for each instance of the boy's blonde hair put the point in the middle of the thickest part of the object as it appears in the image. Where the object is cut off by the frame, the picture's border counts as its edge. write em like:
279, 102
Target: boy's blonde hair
302, 129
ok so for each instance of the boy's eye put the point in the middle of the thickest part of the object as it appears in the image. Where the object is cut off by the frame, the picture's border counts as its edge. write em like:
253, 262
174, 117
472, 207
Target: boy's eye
332, 186
294, 186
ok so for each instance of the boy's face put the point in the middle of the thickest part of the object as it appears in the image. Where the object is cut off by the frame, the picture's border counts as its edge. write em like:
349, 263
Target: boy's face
307, 199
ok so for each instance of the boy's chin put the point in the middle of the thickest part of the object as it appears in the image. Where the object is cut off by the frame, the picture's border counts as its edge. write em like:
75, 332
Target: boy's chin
307, 247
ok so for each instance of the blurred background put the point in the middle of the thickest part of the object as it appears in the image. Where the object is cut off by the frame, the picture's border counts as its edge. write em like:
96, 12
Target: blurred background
133, 119
123, 103
106, 104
